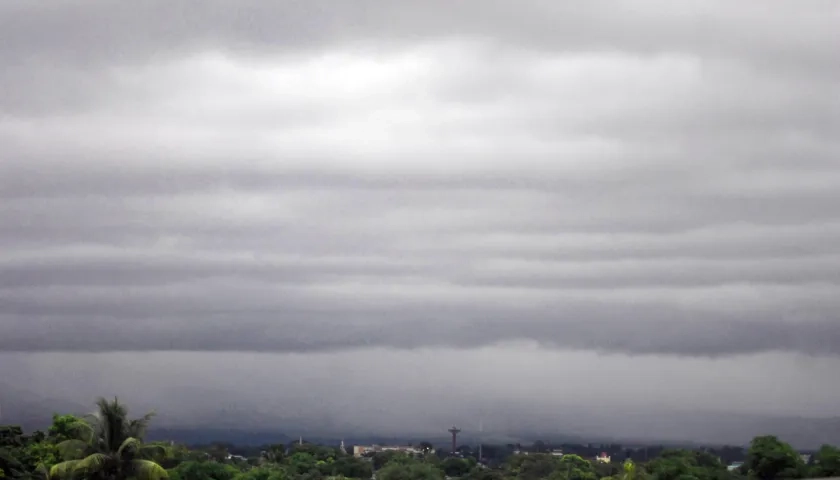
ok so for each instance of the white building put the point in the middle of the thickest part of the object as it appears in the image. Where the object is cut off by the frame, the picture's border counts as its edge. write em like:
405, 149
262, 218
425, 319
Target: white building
603, 458
362, 450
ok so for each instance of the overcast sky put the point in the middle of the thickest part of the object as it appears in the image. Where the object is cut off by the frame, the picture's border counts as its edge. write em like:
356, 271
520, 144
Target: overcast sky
523, 206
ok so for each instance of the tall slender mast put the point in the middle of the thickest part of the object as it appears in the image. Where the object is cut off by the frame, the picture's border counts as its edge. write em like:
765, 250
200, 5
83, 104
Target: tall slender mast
454, 431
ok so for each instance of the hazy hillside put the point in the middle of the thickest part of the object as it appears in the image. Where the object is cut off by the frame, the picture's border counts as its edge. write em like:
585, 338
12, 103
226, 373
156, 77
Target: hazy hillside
18, 406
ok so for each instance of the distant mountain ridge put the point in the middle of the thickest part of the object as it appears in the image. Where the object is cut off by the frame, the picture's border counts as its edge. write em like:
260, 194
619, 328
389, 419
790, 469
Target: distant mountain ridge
21, 407
698, 428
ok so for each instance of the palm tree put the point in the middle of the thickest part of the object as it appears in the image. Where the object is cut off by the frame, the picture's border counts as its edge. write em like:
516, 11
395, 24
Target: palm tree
110, 447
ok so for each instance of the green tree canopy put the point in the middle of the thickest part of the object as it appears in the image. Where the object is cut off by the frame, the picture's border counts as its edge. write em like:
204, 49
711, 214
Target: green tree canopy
264, 472
110, 447
455, 467
770, 459
193, 470
66, 427
409, 471
351, 467
685, 465
574, 467
826, 462
484, 474
532, 467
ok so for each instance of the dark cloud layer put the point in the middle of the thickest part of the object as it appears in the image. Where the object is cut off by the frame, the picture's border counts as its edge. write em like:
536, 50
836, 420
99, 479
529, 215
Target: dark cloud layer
634, 177
610, 333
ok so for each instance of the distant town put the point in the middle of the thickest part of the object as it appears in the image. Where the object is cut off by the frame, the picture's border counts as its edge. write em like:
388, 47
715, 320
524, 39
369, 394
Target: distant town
109, 445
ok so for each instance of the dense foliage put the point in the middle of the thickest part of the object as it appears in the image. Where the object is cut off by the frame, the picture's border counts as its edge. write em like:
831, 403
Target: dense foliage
109, 446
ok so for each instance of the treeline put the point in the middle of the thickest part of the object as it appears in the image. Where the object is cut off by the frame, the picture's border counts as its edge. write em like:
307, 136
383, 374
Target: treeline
496, 454
109, 446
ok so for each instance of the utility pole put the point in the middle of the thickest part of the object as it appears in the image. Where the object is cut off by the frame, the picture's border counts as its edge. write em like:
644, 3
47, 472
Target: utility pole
480, 438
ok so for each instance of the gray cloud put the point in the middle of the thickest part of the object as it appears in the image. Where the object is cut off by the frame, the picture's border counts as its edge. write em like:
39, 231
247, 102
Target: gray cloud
396, 216
303, 177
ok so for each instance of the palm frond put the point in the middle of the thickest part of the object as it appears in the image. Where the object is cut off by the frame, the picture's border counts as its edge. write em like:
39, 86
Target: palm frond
137, 427
156, 451
112, 423
92, 419
92, 463
83, 429
148, 470
128, 444
93, 428
63, 470
72, 449
41, 472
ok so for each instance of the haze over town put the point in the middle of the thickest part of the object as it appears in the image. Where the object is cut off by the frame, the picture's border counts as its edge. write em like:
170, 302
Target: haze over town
614, 219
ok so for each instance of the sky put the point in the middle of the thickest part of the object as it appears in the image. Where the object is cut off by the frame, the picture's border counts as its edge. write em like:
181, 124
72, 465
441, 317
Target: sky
396, 216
